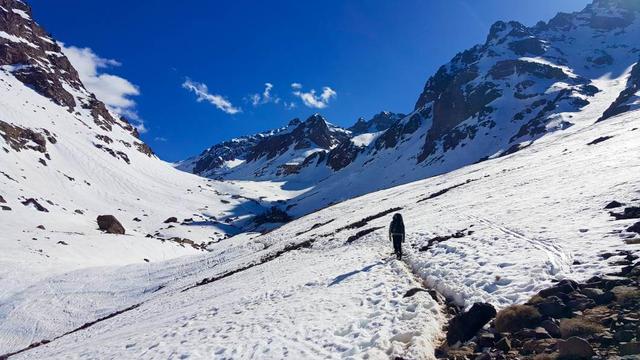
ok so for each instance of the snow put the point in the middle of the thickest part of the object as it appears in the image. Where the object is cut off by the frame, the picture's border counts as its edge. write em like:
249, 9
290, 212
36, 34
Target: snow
16, 39
233, 163
338, 305
22, 13
46, 39
366, 139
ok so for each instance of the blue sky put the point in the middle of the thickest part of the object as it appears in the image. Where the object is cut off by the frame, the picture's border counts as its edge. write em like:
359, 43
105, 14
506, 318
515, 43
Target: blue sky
360, 57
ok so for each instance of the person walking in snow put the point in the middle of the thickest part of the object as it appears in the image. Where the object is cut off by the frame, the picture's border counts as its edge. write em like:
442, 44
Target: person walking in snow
396, 234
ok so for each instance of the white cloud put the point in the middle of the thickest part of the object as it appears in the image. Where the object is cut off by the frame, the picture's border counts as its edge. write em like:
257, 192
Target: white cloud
290, 105
114, 91
160, 139
203, 94
264, 98
310, 99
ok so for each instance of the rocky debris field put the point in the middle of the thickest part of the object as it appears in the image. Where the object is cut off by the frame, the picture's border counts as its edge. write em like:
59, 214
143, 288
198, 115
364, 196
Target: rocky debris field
596, 319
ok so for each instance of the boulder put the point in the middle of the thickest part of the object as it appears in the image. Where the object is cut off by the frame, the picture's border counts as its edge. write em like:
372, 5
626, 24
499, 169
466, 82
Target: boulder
172, 219
110, 224
563, 287
504, 344
632, 212
552, 306
575, 348
466, 325
624, 335
551, 327
485, 340
580, 302
632, 348
613, 205
599, 296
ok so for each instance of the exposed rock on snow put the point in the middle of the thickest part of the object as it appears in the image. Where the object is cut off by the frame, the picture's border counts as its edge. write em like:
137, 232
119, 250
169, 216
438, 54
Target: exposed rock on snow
110, 225
21, 139
31, 202
466, 325
273, 215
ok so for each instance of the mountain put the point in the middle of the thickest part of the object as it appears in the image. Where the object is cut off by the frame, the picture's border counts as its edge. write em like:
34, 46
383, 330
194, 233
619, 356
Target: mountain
380, 122
282, 153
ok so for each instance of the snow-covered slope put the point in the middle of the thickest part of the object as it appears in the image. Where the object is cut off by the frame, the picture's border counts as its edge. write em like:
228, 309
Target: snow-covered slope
324, 286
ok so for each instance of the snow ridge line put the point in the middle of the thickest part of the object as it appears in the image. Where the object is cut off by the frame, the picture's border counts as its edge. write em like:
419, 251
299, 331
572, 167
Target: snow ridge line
85, 326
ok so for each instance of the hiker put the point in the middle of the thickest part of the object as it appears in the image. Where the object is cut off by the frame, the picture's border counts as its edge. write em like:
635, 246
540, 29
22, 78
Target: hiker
396, 234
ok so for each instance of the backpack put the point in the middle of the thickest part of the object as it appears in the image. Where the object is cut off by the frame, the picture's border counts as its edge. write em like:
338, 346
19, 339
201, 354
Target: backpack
397, 226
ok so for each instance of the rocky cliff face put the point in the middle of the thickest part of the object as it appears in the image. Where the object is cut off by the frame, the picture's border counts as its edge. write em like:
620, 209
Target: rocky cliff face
287, 151
538, 72
380, 122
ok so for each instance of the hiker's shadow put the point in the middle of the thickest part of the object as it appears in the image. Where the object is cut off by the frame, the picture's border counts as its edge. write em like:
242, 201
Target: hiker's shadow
340, 278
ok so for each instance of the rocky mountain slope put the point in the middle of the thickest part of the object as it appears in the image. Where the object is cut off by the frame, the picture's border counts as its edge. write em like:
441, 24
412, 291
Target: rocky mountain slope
490, 101
286, 152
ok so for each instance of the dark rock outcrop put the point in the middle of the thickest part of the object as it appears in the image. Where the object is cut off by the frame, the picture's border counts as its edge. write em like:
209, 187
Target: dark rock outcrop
20, 138
110, 225
575, 348
466, 325
35, 204
379, 122
315, 131
273, 215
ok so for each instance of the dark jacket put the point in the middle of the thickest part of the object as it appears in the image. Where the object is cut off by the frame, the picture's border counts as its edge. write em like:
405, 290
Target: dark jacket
396, 229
